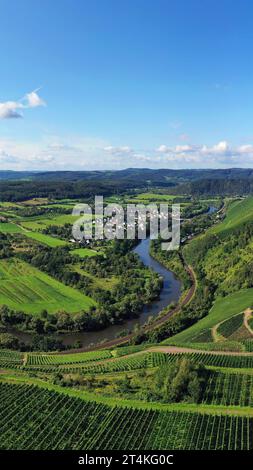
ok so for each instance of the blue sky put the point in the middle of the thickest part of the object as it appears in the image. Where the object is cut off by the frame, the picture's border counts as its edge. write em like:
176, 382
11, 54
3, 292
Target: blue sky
98, 84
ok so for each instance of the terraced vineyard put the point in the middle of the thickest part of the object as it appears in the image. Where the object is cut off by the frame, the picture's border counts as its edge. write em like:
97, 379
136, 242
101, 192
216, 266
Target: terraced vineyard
120, 398
57, 359
230, 326
86, 363
40, 419
229, 389
224, 308
103, 361
10, 358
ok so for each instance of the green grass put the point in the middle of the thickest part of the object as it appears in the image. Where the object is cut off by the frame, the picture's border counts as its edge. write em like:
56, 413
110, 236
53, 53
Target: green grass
40, 223
238, 212
23, 287
105, 283
7, 227
45, 239
85, 253
157, 196
223, 308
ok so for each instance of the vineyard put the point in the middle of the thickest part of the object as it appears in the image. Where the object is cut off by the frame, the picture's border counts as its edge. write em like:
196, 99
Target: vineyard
229, 389
55, 359
230, 326
39, 419
104, 361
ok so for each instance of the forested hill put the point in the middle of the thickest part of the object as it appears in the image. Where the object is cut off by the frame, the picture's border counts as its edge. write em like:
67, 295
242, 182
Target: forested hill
217, 187
137, 174
17, 186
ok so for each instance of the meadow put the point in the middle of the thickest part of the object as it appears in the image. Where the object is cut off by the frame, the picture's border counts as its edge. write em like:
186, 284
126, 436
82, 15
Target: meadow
45, 239
85, 253
238, 212
25, 288
8, 227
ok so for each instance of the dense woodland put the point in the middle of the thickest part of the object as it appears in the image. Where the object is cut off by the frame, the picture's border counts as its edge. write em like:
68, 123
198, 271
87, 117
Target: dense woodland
138, 286
60, 185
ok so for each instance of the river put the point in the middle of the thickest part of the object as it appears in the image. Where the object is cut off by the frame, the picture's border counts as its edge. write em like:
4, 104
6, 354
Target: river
170, 292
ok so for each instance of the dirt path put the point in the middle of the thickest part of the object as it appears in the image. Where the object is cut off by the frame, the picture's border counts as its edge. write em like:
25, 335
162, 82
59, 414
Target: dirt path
178, 349
247, 316
169, 350
215, 335
25, 358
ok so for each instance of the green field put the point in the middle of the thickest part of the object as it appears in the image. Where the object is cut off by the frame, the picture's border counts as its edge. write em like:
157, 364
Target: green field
71, 423
40, 223
7, 227
106, 283
57, 359
39, 237
238, 212
85, 253
25, 288
223, 308
45, 239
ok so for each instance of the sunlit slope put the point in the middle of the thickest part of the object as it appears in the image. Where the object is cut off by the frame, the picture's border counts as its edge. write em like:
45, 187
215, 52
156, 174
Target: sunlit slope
24, 287
222, 309
237, 213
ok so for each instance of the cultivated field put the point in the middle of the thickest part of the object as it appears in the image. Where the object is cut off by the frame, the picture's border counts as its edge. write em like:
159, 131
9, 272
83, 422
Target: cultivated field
222, 309
71, 423
24, 287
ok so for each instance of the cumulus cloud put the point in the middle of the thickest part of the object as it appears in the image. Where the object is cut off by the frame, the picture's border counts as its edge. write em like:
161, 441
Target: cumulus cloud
163, 149
83, 153
221, 154
9, 110
123, 150
13, 109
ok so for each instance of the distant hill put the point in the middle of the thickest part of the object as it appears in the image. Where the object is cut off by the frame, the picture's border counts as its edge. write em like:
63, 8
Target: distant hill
160, 175
16, 186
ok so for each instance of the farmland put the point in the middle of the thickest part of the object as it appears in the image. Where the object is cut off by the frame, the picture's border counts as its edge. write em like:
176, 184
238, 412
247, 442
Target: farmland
238, 212
70, 423
26, 288
45, 274
84, 252
223, 308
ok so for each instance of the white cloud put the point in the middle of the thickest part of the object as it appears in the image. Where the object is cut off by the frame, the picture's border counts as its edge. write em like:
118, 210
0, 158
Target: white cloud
8, 110
219, 155
12, 109
183, 148
123, 150
220, 148
245, 149
34, 100
163, 149
82, 153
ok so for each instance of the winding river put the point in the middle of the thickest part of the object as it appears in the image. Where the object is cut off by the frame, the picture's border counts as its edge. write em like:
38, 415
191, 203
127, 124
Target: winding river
170, 292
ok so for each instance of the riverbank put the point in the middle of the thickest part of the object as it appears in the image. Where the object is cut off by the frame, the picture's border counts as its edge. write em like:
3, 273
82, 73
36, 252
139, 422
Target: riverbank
170, 293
